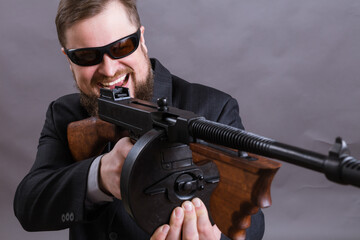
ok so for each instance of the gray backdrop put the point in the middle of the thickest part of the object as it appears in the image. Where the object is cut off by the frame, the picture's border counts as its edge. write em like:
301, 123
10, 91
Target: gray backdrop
292, 65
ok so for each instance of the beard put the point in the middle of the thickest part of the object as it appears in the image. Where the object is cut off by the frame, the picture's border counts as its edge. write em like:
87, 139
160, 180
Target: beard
142, 90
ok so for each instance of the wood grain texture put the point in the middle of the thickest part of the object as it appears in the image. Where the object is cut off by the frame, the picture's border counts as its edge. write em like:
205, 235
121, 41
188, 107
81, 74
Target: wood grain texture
244, 187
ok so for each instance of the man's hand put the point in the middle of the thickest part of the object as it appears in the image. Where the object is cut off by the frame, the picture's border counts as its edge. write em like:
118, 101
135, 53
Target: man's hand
190, 221
111, 166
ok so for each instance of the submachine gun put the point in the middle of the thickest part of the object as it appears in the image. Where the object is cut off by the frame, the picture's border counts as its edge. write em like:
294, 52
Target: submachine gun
179, 155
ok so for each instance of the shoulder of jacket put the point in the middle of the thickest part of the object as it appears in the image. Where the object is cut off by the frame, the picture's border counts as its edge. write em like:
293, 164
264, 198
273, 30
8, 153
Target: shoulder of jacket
68, 106
190, 88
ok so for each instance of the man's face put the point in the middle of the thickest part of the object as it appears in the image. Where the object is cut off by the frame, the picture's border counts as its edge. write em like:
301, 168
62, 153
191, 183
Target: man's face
132, 71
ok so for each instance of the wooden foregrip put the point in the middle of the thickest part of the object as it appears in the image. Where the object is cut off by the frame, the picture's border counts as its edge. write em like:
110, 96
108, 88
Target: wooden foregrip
88, 138
244, 187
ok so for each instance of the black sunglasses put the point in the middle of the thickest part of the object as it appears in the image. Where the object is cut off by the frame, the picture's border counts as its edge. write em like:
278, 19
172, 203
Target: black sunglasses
116, 50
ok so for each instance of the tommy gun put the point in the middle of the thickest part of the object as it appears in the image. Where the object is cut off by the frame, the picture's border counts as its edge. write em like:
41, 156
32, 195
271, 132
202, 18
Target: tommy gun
179, 155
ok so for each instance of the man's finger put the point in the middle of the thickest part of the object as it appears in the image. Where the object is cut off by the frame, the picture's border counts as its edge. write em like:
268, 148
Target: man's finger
176, 222
204, 227
160, 233
189, 230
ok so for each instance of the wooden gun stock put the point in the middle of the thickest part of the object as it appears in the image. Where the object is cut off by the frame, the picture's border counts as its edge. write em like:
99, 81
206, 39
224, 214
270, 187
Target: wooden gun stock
88, 138
244, 185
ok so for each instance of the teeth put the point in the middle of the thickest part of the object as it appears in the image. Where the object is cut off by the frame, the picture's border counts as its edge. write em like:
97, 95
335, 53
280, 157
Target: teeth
114, 82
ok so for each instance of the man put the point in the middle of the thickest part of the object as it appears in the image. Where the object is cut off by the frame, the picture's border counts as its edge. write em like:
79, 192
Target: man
105, 46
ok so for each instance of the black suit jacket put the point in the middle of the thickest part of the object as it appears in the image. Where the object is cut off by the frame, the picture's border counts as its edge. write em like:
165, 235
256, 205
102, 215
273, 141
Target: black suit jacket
52, 196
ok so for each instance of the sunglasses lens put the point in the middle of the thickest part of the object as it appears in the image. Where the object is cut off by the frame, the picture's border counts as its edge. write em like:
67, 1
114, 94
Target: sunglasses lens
123, 47
86, 57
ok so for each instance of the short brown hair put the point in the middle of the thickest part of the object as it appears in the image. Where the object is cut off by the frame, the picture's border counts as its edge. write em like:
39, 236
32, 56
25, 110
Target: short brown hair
71, 11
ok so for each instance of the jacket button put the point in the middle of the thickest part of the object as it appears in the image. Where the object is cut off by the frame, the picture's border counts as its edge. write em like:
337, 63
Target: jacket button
113, 236
72, 217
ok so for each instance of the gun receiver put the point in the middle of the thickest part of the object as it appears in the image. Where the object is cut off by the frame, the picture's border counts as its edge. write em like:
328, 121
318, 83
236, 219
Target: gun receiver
139, 117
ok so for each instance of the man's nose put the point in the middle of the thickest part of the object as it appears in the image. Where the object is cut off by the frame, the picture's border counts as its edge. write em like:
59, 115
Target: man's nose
108, 66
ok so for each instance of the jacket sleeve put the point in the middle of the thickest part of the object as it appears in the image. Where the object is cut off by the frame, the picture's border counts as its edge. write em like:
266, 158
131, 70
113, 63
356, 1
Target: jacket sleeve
230, 115
52, 195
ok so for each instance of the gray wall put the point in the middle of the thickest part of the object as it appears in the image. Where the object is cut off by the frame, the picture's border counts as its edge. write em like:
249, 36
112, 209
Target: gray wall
292, 65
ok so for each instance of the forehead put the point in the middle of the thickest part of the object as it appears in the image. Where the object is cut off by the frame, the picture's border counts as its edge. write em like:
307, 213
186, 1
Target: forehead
111, 24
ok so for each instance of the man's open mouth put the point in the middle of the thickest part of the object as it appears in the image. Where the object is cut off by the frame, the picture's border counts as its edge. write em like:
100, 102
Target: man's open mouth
120, 82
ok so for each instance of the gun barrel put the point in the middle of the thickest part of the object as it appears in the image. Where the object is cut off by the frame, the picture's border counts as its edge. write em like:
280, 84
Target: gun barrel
231, 137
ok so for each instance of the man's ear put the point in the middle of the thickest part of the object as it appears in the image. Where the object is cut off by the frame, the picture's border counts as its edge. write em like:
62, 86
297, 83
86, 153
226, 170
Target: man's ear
142, 38
63, 51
